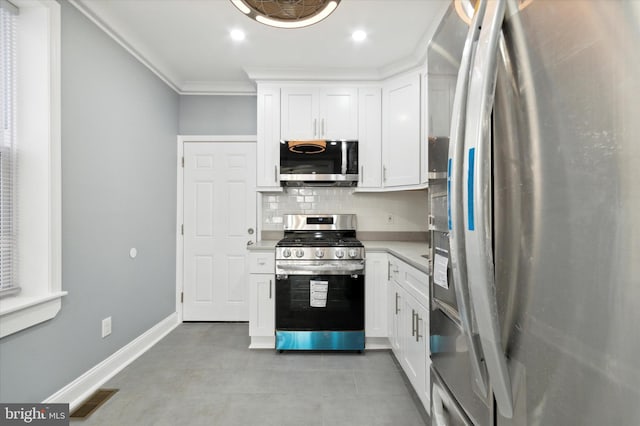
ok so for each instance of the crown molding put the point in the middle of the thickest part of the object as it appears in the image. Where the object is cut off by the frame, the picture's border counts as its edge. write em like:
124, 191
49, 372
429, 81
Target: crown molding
311, 74
121, 39
224, 88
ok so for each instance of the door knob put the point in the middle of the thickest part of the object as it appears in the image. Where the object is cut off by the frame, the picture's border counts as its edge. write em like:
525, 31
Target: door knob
249, 243
250, 231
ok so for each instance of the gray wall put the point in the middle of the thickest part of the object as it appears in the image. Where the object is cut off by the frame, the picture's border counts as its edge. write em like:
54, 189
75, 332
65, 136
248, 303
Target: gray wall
119, 126
218, 115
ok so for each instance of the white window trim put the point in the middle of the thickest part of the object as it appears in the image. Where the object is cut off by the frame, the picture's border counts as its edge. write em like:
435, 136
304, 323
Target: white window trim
40, 298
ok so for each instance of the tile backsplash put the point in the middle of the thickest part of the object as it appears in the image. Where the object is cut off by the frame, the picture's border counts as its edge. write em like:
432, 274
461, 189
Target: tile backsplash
407, 210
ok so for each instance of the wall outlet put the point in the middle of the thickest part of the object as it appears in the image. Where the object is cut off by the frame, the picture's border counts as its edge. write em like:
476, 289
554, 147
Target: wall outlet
390, 218
106, 327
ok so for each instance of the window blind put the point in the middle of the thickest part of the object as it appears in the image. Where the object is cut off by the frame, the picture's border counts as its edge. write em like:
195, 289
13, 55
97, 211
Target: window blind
8, 44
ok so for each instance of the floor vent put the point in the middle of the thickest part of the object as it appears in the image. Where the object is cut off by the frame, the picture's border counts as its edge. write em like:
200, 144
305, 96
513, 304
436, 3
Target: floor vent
92, 403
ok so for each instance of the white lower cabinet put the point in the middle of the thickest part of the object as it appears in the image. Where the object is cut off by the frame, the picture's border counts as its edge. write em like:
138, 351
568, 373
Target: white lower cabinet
262, 317
415, 319
394, 305
408, 325
375, 291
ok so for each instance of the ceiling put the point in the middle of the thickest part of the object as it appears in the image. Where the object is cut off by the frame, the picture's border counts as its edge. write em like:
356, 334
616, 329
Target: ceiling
187, 42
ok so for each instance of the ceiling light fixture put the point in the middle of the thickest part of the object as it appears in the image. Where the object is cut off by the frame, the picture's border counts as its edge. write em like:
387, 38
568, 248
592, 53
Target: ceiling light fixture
287, 13
359, 35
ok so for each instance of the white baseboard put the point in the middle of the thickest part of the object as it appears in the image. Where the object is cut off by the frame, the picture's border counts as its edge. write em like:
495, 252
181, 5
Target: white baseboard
84, 386
377, 343
262, 342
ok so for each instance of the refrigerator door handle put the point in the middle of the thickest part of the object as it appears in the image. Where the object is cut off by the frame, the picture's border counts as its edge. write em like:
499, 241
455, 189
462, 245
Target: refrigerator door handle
454, 201
478, 232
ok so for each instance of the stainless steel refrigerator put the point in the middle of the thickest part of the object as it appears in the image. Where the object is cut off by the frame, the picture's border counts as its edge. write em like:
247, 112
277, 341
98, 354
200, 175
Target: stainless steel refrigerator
536, 311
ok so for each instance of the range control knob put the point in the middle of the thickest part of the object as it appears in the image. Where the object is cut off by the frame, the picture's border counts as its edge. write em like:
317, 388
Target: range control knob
339, 253
353, 253
286, 252
319, 253
299, 253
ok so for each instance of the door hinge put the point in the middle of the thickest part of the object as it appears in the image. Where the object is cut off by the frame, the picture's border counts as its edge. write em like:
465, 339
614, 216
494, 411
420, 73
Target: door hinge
182, 297
182, 162
182, 229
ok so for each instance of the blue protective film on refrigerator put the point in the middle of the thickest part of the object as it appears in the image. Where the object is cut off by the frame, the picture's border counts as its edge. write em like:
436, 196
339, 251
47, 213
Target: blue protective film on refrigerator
449, 193
470, 212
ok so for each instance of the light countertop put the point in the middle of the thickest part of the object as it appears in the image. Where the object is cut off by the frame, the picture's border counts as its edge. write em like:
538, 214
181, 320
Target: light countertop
408, 251
263, 245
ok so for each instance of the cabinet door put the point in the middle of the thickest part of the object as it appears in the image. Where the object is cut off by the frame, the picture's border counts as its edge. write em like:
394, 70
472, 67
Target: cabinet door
300, 113
370, 137
376, 295
262, 317
338, 113
415, 338
394, 309
268, 146
401, 131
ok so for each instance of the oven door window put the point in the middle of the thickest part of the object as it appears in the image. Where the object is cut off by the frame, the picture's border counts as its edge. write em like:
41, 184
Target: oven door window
343, 310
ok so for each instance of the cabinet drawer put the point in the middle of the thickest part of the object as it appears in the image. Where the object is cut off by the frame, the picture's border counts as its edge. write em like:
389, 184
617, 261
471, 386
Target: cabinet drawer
416, 282
262, 262
413, 280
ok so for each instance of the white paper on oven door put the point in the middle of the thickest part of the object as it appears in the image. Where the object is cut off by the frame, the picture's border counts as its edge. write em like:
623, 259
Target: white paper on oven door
440, 270
318, 293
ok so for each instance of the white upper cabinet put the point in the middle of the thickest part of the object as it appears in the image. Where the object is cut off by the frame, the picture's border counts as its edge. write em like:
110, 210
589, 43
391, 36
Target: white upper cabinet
370, 137
339, 113
268, 146
401, 150
300, 111
319, 113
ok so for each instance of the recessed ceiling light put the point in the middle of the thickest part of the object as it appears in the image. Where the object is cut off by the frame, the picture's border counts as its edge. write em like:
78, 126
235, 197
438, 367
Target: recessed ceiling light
359, 35
237, 35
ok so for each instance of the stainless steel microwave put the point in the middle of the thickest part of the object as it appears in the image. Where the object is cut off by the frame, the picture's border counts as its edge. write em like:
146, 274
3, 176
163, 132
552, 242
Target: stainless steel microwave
319, 163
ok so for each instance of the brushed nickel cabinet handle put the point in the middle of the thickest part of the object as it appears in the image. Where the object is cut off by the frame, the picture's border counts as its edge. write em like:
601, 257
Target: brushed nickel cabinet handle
413, 322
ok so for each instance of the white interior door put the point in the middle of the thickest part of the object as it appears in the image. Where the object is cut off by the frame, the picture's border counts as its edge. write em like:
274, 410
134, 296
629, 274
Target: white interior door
219, 220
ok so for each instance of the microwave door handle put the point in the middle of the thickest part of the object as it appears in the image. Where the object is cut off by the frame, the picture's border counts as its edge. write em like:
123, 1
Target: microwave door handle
477, 175
454, 203
343, 166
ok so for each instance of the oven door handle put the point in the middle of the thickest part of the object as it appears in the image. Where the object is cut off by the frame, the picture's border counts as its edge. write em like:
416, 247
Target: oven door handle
320, 267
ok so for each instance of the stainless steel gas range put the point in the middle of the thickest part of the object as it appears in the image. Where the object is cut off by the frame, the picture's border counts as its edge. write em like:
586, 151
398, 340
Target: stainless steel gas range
320, 284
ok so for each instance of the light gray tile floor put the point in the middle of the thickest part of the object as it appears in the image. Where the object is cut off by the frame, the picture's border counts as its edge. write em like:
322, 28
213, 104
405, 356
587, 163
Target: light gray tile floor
203, 374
